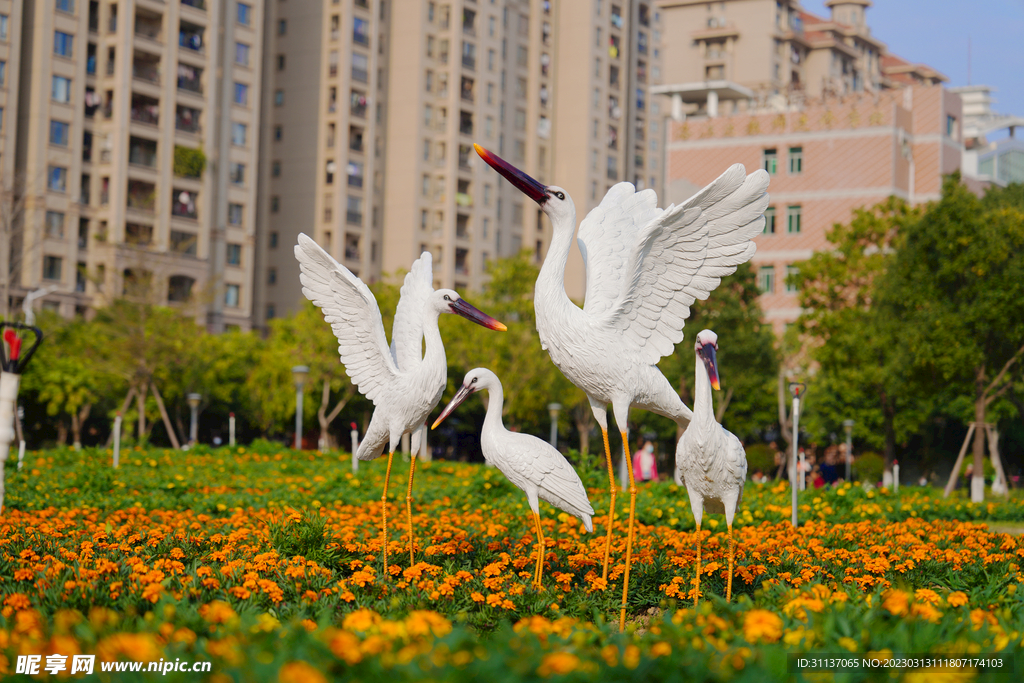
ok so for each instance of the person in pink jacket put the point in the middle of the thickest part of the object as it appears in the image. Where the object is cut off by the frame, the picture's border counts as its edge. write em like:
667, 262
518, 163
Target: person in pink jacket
645, 464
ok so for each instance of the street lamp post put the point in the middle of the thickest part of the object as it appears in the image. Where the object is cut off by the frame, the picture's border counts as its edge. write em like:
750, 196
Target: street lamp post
193, 429
848, 426
796, 388
553, 409
299, 373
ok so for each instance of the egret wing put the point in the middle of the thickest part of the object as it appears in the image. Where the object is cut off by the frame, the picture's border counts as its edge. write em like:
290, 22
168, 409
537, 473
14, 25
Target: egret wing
407, 331
683, 254
537, 461
606, 237
351, 310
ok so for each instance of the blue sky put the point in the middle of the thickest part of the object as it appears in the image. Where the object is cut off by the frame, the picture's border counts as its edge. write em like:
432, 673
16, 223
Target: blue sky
935, 32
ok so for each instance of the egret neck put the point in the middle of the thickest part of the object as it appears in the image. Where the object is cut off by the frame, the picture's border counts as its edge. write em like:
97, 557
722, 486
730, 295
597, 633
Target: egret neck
553, 306
703, 404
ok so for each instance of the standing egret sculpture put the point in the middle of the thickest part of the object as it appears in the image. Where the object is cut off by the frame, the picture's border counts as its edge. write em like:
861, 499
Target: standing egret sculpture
403, 383
533, 465
645, 266
710, 460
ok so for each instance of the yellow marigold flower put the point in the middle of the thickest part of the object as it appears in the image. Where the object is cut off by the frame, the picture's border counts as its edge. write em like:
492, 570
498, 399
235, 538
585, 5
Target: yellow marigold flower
926, 595
926, 611
957, 599
299, 672
344, 645
558, 663
849, 643
423, 622
217, 612
896, 602
361, 620
940, 676
762, 625
140, 647
267, 622
661, 649
631, 657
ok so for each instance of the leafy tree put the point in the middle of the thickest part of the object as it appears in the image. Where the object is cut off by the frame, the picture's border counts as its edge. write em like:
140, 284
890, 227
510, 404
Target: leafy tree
189, 162
957, 283
863, 371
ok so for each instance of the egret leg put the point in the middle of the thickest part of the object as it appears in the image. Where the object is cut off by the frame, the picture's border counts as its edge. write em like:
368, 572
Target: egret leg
629, 533
611, 504
408, 511
732, 554
540, 549
696, 590
384, 511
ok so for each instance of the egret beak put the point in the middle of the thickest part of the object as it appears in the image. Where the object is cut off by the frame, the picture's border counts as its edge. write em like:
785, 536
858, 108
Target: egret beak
708, 353
462, 394
533, 189
460, 307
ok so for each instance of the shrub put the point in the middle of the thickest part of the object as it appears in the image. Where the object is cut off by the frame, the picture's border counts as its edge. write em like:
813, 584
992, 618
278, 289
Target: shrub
869, 467
760, 456
189, 162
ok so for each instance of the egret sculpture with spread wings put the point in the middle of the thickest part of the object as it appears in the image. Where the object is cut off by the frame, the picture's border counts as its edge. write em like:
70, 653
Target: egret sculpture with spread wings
533, 465
645, 267
402, 381
710, 460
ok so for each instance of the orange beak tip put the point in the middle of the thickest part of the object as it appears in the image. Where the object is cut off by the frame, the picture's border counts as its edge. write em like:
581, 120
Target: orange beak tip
436, 422
716, 386
501, 327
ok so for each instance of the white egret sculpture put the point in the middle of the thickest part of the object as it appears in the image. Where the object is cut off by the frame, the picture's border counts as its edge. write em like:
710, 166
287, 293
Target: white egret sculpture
402, 381
645, 267
710, 460
532, 464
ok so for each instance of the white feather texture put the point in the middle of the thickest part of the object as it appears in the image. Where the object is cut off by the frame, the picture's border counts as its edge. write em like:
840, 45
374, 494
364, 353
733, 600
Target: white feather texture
532, 464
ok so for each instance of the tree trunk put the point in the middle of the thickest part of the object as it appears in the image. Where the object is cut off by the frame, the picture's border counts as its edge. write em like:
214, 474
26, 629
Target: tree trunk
77, 420
723, 404
124, 409
140, 402
583, 416
326, 418
62, 432
888, 422
164, 416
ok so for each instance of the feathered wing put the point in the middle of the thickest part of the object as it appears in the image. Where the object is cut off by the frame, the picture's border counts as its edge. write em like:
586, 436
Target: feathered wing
683, 255
407, 331
352, 312
536, 461
605, 239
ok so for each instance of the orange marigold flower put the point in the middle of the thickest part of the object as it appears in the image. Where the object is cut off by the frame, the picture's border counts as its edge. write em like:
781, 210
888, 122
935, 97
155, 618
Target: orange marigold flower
957, 599
477, 597
926, 595
762, 625
217, 612
896, 602
344, 645
299, 672
558, 663
361, 620
17, 601
661, 649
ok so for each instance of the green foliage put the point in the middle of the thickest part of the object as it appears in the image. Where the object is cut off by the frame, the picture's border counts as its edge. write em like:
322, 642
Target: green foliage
869, 467
760, 456
189, 162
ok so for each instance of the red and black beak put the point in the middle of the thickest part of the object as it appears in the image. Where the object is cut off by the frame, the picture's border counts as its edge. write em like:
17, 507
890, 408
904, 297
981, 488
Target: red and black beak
532, 188
708, 354
460, 396
460, 307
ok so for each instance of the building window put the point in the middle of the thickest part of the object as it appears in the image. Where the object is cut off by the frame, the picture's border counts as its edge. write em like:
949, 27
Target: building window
232, 294
235, 214
271, 311
66, 6
242, 54
179, 288
329, 169
280, 62
793, 219
770, 161
275, 169
52, 267
769, 221
278, 98
950, 126
282, 27
54, 225
57, 179
766, 279
791, 273
61, 91
360, 67
63, 44
3, 27
237, 173
796, 160
244, 14
275, 206
3, 72
354, 211
184, 242
242, 94
360, 31
271, 276
234, 255
273, 240
278, 133
59, 133
238, 131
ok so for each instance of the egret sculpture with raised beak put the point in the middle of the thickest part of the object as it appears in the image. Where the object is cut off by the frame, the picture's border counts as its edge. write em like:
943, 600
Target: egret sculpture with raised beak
402, 381
645, 267
710, 460
534, 465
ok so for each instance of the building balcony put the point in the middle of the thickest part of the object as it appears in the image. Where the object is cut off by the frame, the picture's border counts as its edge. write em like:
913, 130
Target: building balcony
183, 204
186, 119
197, 4
146, 70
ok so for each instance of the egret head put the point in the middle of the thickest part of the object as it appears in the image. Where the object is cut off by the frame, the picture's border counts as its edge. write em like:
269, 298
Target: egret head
707, 350
553, 200
449, 301
475, 380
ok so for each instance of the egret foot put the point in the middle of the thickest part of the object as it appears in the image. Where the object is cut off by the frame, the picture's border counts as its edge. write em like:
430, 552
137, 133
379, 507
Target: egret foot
611, 504
408, 511
629, 533
384, 511
732, 554
696, 589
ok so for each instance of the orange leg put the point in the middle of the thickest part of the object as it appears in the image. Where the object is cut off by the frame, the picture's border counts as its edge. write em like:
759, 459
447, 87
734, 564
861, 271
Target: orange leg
696, 590
611, 503
732, 555
384, 511
629, 532
539, 572
408, 511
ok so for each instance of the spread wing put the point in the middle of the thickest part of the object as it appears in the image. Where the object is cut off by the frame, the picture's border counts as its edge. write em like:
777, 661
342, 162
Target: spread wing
407, 331
683, 254
349, 307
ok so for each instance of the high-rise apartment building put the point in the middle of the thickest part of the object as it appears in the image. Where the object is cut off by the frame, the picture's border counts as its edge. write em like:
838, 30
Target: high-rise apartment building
137, 150
837, 121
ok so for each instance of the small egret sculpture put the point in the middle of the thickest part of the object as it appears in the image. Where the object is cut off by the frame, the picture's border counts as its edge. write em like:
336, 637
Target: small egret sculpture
710, 460
533, 465
403, 383
645, 267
